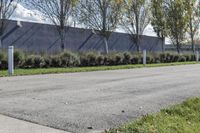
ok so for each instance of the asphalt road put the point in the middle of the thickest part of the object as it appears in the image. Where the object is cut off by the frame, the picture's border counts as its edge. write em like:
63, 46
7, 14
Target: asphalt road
98, 100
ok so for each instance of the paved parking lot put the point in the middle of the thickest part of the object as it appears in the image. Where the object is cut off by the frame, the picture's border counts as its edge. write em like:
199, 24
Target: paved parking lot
94, 101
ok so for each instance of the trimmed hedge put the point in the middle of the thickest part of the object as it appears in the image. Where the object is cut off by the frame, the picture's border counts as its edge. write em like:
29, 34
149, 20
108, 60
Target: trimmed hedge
3, 60
72, 59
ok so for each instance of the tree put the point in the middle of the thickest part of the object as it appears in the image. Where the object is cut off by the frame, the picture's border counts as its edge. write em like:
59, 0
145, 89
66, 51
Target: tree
57, 11
100, 15
158, 20
194, 19
7, 8
177, 18
136, 19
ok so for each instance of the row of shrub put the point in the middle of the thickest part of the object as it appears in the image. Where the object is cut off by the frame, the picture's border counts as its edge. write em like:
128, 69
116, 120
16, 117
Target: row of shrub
72, 59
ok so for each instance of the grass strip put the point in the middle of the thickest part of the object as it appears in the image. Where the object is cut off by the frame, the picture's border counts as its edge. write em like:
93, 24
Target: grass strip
182, 118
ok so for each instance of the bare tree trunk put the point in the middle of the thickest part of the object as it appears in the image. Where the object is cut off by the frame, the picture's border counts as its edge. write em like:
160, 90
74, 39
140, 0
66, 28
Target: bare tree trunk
192, 34
62, 25
178, 47
62, 39
192, 42
104, 22
163, 44
106, 44
137, 32
2, 27
137, 43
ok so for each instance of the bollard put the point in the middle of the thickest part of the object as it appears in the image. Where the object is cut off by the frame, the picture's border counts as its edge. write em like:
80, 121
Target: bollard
144, 57
197, 56
10, 60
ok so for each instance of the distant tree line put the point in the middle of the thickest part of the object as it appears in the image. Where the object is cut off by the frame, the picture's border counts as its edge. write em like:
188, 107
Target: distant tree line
174, 19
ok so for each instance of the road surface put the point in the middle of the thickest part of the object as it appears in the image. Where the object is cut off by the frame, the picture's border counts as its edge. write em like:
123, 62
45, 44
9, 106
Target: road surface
93, 101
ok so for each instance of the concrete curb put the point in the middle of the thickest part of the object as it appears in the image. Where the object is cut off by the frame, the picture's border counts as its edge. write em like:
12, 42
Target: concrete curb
11, 125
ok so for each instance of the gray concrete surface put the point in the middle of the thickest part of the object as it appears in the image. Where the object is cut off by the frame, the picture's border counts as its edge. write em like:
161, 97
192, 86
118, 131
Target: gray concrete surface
35, 37
101, 100
11, 125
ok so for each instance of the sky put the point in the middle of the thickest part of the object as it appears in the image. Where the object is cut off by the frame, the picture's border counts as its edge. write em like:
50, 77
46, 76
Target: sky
24, 14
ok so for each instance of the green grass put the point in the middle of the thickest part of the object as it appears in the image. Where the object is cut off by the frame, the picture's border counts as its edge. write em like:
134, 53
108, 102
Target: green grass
19, 72
182, 118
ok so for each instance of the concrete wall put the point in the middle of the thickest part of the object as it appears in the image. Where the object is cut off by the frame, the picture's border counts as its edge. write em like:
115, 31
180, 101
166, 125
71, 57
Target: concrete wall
184, 48
44, 38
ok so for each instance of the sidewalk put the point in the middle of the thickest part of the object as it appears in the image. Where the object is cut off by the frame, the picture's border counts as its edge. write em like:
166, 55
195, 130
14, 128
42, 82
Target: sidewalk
11, 125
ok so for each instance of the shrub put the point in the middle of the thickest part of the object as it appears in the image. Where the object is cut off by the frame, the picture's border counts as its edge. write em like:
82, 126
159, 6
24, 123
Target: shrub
193, 58
150, 59
100, 60
168, 57
92, 58
182, 58
136, 59
127, 58
47, 61
3, 55
172, 58
19, 58
84, 61
106, 60
176, 58
119, 58
188, 57
69, 59
56, 61
157, 59
109, 59
114, 59
3, 60
38, 61
162, 58
29, 62
34, 61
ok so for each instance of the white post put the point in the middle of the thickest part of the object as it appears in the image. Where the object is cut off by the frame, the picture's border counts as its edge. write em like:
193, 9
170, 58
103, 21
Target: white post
144, 57
197, 56
11, 60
